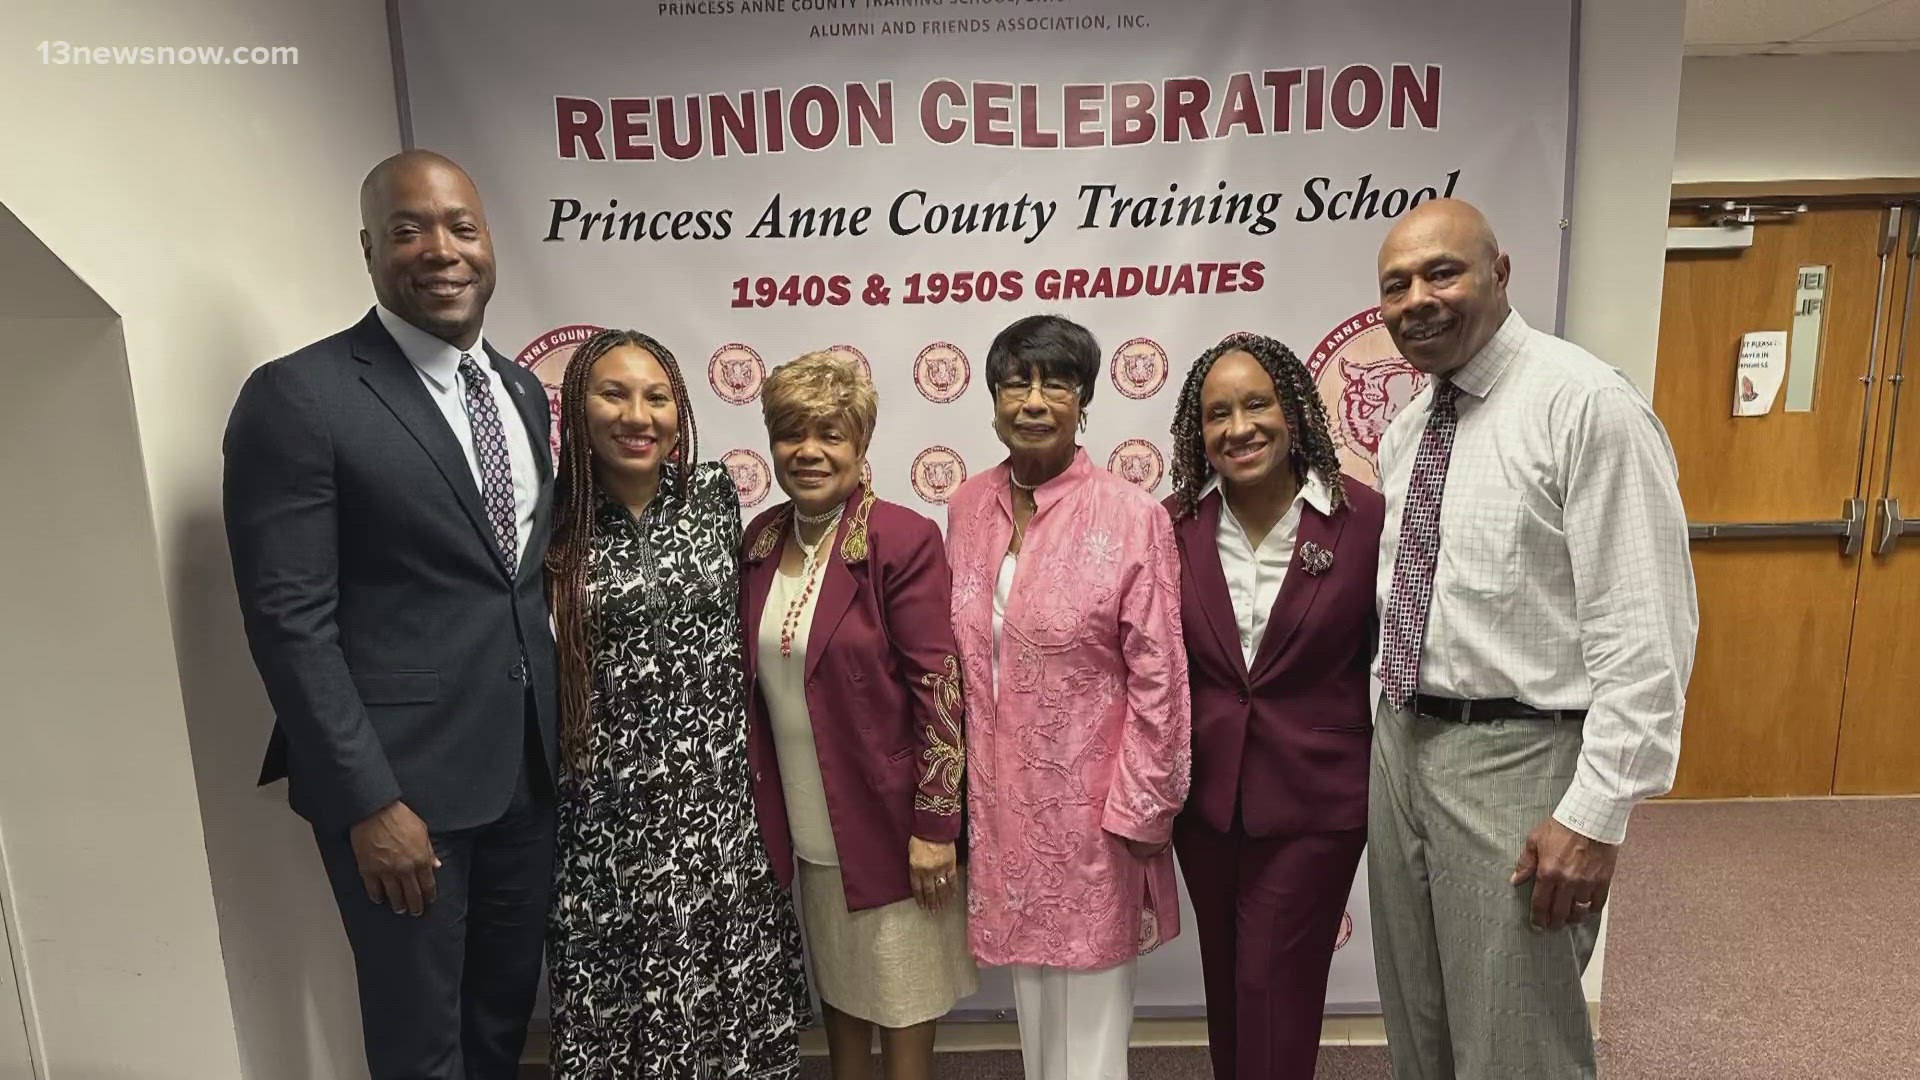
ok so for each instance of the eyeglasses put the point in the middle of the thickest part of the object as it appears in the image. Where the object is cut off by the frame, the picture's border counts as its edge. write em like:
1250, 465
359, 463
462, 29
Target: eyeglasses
1054, 391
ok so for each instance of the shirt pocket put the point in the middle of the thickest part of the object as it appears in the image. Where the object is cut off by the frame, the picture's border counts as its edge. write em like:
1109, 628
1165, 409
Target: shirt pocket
1479, 543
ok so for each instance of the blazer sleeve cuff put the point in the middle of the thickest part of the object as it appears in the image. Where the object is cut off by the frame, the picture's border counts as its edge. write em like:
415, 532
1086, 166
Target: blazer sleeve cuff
359, 798
936, 827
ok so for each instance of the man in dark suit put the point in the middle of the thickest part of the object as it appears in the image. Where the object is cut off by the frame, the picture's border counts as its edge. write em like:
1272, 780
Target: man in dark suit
387, 496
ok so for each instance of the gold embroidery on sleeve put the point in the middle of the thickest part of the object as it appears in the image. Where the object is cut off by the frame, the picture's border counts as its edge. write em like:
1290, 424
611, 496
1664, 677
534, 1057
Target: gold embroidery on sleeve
945, 757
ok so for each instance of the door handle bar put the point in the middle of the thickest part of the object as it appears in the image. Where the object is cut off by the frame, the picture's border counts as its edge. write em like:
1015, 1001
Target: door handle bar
1892, 525
1851, 529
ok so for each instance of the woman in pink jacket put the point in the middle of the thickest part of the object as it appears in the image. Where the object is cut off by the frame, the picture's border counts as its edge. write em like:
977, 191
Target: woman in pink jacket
1066, 610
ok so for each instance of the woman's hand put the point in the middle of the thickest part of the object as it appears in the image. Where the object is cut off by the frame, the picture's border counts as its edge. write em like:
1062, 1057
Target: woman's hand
1140, 849
935, 875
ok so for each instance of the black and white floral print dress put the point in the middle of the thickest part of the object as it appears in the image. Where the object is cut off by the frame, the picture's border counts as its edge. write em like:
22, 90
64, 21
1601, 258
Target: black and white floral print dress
673, 950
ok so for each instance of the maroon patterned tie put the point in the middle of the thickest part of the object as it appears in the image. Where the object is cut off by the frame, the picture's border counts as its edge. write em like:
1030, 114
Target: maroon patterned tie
490, 447
1403, 630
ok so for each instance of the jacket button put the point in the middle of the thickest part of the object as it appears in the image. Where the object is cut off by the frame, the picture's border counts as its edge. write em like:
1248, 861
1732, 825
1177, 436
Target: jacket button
1243, 697
518, 672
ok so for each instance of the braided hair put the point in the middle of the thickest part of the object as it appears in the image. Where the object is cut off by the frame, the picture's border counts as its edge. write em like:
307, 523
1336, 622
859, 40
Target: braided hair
1306, 416
576, 516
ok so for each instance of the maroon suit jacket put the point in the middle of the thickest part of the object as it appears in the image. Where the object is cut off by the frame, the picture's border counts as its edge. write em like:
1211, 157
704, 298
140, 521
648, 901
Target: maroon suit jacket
883, 692
1289, 739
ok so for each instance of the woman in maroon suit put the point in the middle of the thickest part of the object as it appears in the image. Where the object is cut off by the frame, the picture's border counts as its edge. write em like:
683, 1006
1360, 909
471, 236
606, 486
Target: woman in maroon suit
1278, 552
856, 721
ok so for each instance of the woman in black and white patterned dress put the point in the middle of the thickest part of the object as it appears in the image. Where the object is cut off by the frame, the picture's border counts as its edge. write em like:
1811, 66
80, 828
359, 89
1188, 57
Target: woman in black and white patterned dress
673, 951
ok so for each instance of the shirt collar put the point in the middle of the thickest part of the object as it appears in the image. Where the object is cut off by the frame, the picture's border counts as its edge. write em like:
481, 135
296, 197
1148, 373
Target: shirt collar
1045, 495
1477, 376
1314, 493
436, 359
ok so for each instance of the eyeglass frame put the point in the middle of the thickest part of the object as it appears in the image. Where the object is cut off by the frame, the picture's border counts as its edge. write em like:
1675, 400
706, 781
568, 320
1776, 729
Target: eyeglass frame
1061, 393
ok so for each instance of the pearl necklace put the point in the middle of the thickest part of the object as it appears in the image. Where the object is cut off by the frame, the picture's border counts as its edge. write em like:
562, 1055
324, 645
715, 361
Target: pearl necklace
809, 569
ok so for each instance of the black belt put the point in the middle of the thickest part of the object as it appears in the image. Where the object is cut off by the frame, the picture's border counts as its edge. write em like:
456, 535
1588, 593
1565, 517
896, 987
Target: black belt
1456, 711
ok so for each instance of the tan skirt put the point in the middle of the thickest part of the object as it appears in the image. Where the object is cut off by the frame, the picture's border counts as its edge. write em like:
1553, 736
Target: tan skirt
895, 966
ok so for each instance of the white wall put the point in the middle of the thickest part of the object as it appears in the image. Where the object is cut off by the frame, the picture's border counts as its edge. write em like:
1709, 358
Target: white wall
214, 209
1623, 170
1799, 117
1624, 130
106, 872
16, 1047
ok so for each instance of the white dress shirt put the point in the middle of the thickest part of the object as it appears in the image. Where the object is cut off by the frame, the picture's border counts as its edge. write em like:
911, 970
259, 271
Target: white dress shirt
438, 364
1564, 578
1255, 574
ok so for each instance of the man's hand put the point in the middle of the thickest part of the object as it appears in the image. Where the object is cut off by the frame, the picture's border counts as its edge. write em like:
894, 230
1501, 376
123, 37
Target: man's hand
1571, 874
396, 859
932, 869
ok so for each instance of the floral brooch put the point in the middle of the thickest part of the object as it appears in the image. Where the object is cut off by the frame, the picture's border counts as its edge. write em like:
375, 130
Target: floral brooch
1315, 559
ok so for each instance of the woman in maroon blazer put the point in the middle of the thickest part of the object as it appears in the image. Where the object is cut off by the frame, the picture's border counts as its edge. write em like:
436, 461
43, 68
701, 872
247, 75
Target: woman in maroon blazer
1278, 552
856, 721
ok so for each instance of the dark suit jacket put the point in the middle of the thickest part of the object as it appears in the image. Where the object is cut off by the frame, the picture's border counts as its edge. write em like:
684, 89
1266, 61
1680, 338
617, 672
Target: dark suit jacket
883, 693
396, 645
1289, 739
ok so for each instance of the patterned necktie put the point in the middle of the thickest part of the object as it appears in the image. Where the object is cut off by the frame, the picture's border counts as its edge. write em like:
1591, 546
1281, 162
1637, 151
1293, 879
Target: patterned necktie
1403, 631
490, 446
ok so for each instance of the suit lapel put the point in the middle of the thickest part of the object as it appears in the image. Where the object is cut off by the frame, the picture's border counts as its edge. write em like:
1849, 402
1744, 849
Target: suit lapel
537, 422
1298, 591
837, 581
756, 583
393, 379
535, 417
1200, 550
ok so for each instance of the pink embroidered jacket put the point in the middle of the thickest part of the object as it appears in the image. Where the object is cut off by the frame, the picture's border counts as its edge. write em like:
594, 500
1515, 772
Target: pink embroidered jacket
1084, 734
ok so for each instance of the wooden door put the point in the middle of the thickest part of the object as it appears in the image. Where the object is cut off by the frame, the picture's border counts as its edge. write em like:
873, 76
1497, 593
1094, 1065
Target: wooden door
1776, 615
1880, 723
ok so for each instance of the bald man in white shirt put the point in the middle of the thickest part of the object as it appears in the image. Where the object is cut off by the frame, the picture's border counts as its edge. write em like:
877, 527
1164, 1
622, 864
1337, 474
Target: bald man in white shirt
1537, 632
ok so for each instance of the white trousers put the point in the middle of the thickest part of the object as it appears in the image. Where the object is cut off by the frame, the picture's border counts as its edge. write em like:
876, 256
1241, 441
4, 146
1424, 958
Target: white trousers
1074, 1025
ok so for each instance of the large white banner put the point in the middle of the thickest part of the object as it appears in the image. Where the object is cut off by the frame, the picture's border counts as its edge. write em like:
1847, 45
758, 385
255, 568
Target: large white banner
748, 180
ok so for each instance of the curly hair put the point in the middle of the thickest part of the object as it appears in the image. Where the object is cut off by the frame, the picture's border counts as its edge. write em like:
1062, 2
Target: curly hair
575, 520
1306, 416
820, 386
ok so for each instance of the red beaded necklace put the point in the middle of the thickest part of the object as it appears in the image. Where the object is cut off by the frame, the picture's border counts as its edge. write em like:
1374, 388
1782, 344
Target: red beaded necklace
809, 569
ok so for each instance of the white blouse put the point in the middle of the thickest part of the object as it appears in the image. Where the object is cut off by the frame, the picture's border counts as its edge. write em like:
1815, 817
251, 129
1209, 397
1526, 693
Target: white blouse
1255, 574
783, 681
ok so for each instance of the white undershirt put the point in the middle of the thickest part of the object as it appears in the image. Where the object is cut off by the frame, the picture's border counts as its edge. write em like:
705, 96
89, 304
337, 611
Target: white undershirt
1002, 588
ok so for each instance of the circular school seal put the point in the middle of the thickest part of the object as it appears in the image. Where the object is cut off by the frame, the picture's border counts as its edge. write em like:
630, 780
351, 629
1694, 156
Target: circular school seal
735, 373
1364, 383
751, 475
941, 372
1138, 462
1140, 368
1346, 931
850, 353
937, 470
547, 356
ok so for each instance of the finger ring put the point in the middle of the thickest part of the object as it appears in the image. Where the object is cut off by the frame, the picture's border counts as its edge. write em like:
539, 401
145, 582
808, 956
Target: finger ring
940, 881
1582, 903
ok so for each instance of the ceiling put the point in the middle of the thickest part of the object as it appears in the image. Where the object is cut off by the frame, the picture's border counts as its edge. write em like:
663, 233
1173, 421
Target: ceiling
1743, 27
